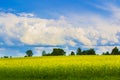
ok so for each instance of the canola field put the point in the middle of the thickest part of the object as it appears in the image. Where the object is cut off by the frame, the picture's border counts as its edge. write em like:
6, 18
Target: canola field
61, 68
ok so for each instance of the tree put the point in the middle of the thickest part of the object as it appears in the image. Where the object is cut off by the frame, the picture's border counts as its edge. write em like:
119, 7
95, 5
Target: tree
107, 53
72, 53
115, 51
79, 51
6, 57
29, 53
10, 56
119, 53
84, 52
89, 52
48, 54
103, 53
44, 53
58, 51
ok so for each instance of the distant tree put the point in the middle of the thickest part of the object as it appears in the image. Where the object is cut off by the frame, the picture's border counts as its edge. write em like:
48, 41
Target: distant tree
57, 52
115, 51
84, 52
29, 53
107, 53
44, 53
89, 52
72, 53
103, 53
10, 56
6, 57
25, 56
48, 54
79, 51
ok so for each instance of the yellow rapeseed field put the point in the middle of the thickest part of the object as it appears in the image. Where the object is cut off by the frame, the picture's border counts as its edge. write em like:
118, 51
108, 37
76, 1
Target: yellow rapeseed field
61, 68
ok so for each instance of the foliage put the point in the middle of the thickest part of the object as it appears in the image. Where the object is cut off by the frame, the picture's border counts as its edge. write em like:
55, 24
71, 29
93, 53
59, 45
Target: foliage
57, 52
89, 52
72, 53
25, 56
48, 54
79, 51
44, 53
10, 56
29, 53
115, 51
6, 57
107, 53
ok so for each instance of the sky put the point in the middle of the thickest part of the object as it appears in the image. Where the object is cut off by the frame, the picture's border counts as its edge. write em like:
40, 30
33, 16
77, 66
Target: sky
68, 24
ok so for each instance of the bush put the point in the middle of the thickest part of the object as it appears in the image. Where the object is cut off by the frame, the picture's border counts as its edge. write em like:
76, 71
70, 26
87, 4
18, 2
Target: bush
6, 57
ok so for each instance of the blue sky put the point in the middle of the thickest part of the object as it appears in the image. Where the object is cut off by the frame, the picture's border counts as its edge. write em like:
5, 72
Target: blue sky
44, 24
47, 8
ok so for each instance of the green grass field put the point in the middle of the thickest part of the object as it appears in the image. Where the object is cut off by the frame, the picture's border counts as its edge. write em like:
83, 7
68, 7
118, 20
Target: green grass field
61, 68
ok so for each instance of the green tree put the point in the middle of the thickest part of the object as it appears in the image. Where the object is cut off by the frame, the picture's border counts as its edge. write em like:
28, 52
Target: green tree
79, 51
6, 57
115, 51
103, 53
107, 53
72, 53
57, 52
84, 52
119, 53
92, 51
44, 53
89, 52
29, 53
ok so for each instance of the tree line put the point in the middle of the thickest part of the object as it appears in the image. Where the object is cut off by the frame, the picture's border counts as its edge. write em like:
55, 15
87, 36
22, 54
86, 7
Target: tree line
61, 52
115, 51
79, 51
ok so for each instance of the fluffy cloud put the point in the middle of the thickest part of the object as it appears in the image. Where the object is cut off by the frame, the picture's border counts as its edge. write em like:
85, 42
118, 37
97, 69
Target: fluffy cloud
34, 31
86, 30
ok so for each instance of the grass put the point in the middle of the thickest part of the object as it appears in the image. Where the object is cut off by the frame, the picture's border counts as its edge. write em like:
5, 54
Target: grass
61, 68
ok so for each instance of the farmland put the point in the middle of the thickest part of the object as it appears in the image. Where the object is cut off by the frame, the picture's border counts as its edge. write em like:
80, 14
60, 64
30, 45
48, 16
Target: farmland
61, 68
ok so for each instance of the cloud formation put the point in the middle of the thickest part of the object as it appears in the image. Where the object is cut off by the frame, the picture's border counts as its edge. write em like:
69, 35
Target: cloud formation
73, 30
35, 31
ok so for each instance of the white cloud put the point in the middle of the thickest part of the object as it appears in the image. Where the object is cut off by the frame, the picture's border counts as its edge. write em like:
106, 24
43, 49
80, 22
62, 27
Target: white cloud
39, 31
86, 29
72, 43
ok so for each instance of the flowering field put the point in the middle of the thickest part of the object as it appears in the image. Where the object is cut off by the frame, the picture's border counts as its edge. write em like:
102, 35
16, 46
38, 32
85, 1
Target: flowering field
61, 68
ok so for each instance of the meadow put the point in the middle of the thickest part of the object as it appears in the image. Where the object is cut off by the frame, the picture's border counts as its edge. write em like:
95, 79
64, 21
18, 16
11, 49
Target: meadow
61, 68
